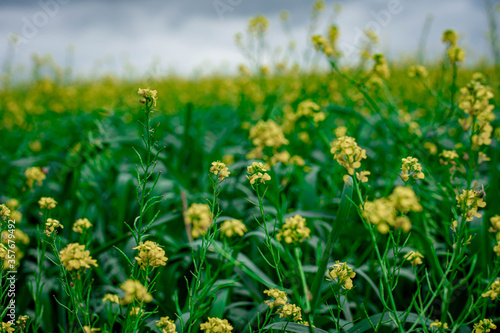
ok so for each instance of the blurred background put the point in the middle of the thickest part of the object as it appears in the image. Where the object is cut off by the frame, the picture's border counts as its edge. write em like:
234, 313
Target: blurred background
192, 36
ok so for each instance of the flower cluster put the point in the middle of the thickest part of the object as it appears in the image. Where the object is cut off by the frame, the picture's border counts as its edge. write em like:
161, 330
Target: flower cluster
75, 257
34, 175
291, 312
47, 203
258, 25
495, 227
475, 102
322, 44
257, 173
455, 54
414, 257
51, 225
347, 153
484, 326
279, 296
381, 68
111, 298
311, 110
7, 327
166, 325
411, 167
15, 215
448, 157
494, 290
294, 230
216, 325
233, 227
150, 255
81, 224
134, 290
266, 134
469, 201
383, 212
199, 217
342, 274
437, 324
87, 329
148, 95
4, 212
219, 169
418, 71
363, 176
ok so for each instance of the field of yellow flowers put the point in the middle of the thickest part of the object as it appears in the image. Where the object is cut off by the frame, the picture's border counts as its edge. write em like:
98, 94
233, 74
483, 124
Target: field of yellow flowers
354, 199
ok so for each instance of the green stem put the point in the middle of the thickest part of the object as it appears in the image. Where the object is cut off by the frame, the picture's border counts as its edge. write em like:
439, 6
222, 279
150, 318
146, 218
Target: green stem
302, 279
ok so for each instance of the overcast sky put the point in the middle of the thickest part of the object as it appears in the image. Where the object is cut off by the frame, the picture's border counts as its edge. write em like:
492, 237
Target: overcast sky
185, 35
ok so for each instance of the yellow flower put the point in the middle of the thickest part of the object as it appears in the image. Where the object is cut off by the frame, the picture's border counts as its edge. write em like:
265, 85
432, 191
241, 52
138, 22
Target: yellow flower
381, 69
216, 325
6, 328
111, 298
219, 169
404, 200
257, 172
418, 71
294, 230
87, 329
448, 157
278, 295
347, 153
484, 325
4, 212
363, 176
75, 257
342, 274
267, 134
482, 157
494, 290
200, 217
258, 25
438, 324
16, 216
495, 224
150, 254
47, 203
456, 54
166, 325
340, 131
431, 147
411, 167
291, 312
322, 44
12, 204
414, 257
3, 252
34, 174
233, 227
19, 236
51, 225
148, 95
134, 290
135, 311
469, 202
450, 37
81, 224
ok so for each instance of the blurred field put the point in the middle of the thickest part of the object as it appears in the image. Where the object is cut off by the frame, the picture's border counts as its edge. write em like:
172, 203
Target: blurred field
81, 133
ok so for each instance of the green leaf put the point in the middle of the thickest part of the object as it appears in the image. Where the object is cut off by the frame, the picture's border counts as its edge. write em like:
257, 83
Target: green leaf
364, 325
293, 327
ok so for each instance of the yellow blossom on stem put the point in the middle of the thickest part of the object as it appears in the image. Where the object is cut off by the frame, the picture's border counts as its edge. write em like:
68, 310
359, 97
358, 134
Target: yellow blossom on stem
279, 296
148, 95
81, 224
342, 274
34, 175
484, 326
291, 312
166, 325
437, 324
75, 257
216, 325
414, 257
257, 173
47, 203
199, 216
233, 227
150, 255
134, 290
347, 153
51, 225
418, 71
495, 224
363, 176
294, 230
135, 311
381, 68
469, 201
4, 212
494, 290
111, 298
87, 329
448, 157
7, 327
411, 167
219, 169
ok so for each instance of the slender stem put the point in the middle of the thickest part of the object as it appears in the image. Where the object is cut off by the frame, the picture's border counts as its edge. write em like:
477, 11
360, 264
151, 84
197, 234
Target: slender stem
302, 279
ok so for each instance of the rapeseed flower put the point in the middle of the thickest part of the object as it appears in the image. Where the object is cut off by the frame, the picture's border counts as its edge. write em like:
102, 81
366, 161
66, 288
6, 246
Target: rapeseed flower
233, 227
294, 230
216, 325
34, 175
484, 326
134, 290
437, 324
4, 212
47, 203
219, 169
199, 217
414, 257
257, 173
150, 255
469, 201
51, 225
411, 167
166, 325
347, 153
148, 95
279, 296
81, 224
75, 257
342, 274
290, 312
494, 290
111, 298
